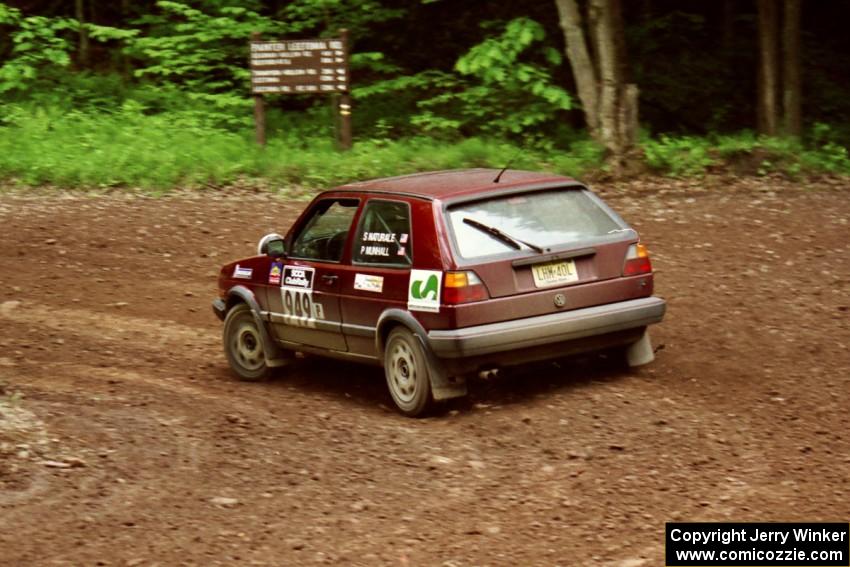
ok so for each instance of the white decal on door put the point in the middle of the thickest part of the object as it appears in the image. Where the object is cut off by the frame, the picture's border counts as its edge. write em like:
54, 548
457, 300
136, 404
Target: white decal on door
296, 290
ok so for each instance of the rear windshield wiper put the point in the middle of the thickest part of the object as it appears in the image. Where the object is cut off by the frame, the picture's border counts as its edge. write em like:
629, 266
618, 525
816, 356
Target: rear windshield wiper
501, 236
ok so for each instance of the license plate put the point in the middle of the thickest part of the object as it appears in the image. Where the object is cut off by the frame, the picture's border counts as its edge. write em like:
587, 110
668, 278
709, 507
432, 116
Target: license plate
554, 273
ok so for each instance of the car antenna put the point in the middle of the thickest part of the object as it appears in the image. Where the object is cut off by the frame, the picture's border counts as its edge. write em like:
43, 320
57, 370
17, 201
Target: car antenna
507, 165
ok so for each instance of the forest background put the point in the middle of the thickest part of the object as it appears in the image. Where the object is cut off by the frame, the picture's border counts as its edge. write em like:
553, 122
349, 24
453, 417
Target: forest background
156, 94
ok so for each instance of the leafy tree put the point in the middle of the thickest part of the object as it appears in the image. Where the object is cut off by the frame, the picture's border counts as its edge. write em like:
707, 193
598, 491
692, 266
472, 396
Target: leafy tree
39, 44
42, 46
502, 86
203, 54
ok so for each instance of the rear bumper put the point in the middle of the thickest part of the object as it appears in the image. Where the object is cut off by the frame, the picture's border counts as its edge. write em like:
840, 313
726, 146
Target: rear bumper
554, 329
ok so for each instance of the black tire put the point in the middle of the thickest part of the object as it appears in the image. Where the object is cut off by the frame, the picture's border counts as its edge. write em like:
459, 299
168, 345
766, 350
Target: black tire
407, 373
243, 344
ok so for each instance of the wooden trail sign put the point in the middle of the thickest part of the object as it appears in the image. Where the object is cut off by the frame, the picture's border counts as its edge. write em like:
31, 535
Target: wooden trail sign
301, 66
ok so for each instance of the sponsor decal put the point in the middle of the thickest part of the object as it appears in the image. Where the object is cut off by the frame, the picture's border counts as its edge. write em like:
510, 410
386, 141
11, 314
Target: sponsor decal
423, 292
274, 273
242, 273
369, 283
298, 277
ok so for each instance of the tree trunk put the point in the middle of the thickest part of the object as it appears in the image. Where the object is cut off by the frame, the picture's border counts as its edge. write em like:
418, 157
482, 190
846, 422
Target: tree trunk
83, 48
618, 100
610, 104
618, 30
608, 76
580, 62
768, 111
792, 121
125, 60
728, 25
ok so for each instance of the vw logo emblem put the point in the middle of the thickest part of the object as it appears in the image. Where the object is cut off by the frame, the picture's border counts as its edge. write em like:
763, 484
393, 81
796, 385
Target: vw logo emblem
560, 300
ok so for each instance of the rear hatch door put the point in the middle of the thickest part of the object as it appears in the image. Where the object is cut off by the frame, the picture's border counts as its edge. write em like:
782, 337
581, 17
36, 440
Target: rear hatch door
551, 239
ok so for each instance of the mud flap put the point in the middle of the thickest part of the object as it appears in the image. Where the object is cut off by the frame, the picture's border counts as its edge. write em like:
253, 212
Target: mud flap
640, 352
443, 386
275, 356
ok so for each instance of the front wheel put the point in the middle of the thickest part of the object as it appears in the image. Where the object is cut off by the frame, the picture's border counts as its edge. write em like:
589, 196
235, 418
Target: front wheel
407, 373
243, 344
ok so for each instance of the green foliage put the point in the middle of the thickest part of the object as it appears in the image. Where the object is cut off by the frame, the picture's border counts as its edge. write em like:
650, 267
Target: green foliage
203, 54
357, 16
129, 148
42, 48
678, 156
746, 153
39, 45
502, 86
508, 95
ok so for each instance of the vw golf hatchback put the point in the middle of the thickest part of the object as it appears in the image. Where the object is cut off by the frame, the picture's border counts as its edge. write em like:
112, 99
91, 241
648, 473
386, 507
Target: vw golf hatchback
439, 276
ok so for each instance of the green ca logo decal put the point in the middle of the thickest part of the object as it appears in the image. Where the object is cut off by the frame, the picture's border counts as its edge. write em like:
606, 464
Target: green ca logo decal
424, 290
431, 288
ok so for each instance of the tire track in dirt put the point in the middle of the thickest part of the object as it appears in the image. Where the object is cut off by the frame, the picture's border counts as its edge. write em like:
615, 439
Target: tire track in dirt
741, 418
101, 326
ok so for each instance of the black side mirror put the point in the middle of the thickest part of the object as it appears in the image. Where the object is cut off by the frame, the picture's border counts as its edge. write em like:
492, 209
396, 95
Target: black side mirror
271, 245
276, 248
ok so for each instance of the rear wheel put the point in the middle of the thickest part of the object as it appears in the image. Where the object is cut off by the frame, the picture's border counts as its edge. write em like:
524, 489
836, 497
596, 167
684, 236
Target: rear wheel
243, 344
406, 369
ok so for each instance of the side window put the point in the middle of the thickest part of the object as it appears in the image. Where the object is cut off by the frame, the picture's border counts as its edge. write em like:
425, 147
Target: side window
383, 237
324, 234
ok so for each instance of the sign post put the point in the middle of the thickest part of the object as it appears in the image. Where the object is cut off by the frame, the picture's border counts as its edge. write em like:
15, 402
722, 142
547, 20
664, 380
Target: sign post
259, 107
345, 104
301, 66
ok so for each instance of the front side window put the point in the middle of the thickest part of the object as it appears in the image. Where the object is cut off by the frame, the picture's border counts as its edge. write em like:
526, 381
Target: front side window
325, 232
383, 236
541, 221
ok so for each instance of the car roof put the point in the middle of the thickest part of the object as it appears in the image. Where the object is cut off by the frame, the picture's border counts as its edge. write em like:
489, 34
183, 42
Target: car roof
457, 182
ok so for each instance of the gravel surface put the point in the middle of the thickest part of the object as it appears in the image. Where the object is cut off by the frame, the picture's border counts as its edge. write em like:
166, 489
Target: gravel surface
125, 441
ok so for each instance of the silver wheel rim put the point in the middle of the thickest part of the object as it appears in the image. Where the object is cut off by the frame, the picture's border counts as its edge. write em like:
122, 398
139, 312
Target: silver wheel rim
403, 371
247, 348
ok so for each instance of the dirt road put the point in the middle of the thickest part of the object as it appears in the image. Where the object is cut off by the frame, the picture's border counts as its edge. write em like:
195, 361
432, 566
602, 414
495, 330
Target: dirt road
132, 445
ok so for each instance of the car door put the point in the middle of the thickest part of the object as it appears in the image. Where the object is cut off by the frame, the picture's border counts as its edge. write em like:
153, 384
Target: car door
382, 253
303, 298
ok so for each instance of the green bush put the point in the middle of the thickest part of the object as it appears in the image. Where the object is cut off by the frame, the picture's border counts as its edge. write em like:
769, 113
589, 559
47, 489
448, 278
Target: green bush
127, 147
106, 143
682, 156
747, 153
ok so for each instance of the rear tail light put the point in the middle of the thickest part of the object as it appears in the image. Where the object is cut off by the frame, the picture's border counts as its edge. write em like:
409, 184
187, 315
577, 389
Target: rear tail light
463, 287
637, 261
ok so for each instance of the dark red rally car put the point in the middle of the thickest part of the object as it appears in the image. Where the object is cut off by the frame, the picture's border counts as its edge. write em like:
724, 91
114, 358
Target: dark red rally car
438, 276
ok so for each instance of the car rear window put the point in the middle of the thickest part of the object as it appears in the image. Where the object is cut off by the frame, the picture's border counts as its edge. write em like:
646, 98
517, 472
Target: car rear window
549, 219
